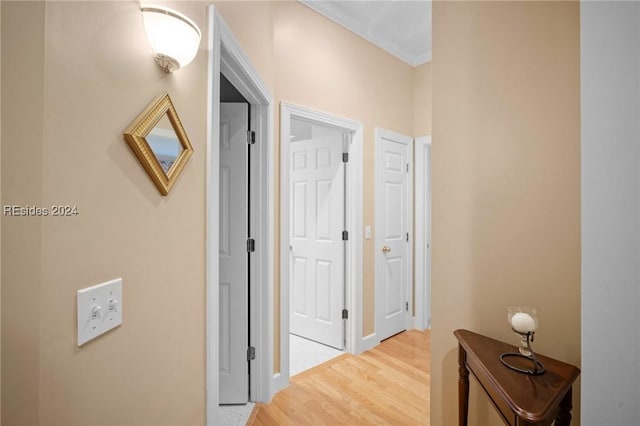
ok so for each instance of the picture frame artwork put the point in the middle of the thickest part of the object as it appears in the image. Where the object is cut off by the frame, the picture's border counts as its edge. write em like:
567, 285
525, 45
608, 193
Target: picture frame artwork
160, 142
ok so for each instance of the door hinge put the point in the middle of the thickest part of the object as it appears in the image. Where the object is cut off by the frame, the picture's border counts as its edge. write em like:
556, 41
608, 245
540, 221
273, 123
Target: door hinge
345, 314
251, 137
251, 353
407, 167
407, 306
345, 157
251, 245
407, 237
345, 236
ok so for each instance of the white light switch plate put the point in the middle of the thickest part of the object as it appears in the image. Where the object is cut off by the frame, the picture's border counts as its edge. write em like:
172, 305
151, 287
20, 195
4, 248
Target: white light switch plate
99, 309
367, 232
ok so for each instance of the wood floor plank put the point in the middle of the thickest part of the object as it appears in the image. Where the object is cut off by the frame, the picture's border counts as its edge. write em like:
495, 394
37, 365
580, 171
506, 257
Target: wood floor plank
387, 385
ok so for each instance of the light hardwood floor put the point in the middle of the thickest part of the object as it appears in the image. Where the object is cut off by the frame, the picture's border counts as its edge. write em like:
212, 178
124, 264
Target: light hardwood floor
388, 384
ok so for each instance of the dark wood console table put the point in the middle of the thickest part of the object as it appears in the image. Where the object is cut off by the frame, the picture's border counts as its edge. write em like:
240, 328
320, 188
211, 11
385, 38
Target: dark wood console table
520, 399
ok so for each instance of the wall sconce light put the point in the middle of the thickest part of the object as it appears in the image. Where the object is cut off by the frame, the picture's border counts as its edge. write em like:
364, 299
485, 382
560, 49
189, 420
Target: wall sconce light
173, 37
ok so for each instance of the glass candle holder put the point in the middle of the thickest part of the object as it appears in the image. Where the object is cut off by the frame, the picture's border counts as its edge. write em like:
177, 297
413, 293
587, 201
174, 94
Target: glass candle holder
524, 322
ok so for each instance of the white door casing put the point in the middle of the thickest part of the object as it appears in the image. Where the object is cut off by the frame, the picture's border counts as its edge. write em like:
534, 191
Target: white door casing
355, 341
234, 283
422, 214
393, 254
226, 55
316, 245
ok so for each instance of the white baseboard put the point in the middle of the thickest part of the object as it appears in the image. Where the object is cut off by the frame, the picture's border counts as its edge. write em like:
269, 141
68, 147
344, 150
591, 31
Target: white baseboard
279, 382
367, 342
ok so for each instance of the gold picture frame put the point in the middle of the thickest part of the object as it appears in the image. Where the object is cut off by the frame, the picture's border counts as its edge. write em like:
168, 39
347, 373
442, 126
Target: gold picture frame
160, 143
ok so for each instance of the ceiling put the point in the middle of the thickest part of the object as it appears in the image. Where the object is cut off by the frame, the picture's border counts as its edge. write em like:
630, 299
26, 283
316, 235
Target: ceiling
401, 27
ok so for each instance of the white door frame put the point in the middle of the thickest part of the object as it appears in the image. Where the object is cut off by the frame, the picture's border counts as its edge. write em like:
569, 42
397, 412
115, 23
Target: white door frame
353, 207
406, 140
422, 264
226, 56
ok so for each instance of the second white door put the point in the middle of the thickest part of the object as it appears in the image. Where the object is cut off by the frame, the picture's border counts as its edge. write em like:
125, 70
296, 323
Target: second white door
393, 229
317, 247
234, 276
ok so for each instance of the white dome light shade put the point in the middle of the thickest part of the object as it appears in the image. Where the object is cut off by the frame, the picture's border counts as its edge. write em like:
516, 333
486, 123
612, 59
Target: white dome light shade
173, 37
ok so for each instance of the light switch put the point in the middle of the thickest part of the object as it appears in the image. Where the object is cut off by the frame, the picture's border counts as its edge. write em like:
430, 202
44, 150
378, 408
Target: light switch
367, 232
99, 309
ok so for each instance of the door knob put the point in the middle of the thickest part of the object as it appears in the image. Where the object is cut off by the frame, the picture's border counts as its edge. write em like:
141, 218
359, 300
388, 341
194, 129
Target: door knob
386, 249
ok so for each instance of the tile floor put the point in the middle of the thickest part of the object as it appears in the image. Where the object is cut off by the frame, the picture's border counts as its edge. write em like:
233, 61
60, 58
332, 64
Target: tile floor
235, 415
304, 354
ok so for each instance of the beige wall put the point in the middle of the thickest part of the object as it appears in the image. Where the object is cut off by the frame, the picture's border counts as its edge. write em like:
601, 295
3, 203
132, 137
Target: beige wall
422, 100
317, 66
77, 74
252, 25
23, 89
91, 73
506, 181
307, 59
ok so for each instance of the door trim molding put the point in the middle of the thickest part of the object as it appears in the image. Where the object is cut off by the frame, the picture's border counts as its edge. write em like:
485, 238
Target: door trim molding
408, 141
422, 240
353, 302
226, 56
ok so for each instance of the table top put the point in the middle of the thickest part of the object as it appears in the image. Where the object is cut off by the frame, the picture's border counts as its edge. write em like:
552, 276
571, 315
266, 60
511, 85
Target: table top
531, 397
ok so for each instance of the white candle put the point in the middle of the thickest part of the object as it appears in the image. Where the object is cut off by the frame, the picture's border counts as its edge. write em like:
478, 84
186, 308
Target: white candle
523, 322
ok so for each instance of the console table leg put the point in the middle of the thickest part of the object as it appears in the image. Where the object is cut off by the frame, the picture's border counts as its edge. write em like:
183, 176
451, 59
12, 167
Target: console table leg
564, 416
463, 387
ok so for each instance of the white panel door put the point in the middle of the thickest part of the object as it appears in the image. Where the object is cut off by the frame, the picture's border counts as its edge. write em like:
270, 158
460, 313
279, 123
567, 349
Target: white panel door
393, 154
317, 249
234, 276
422, 240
